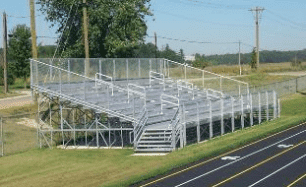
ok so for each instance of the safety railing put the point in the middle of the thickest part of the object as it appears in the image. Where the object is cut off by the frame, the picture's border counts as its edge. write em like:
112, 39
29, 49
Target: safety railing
156, 76
187, 85
139, 126
165, 98
99, 81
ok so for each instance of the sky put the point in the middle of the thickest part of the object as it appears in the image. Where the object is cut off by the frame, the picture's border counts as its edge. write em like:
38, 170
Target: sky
221, 23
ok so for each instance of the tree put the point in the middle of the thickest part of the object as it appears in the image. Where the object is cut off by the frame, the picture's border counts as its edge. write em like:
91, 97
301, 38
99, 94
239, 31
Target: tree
115, 27
19, 51
253, 62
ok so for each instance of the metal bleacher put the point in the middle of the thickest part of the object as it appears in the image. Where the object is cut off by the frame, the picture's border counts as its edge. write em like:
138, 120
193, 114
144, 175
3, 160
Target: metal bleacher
162, 104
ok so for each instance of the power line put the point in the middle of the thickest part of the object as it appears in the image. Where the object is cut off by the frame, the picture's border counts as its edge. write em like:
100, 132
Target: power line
188, 41
215, 5
199, 20
287, 20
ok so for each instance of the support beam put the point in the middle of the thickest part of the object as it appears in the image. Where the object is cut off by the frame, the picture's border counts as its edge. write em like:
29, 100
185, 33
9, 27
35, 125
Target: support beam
210, 121
251, 112
221, 115
233, 114
242, 113
198, 125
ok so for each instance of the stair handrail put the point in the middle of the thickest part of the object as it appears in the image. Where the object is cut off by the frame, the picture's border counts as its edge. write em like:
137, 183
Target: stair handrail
162, 100
98, 81
175, 130
188, 86
151, 76
140, 124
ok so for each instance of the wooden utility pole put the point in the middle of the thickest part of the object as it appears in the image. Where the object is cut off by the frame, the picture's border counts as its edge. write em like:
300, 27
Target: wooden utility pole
33, 29
239, 60
86, 43
258, 11
5, 53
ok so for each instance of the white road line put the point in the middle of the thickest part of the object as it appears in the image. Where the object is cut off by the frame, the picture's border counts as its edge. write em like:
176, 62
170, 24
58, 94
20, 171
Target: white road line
251, 154
278, 170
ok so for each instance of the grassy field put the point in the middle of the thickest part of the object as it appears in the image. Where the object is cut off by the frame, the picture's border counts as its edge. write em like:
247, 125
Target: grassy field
45, 167
14, 89
232, 70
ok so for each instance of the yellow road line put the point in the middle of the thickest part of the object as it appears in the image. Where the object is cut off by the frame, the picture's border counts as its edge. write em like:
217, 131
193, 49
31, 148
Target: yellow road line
260, 163
217, 157
297, 180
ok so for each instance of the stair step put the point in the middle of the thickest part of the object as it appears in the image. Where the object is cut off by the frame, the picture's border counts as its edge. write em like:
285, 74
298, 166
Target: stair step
155, 150
156, 133
158, 146
158, 142
154, 138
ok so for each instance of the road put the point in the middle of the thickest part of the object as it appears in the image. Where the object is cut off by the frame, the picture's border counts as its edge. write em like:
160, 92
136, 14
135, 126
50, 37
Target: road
16, 101
278, 160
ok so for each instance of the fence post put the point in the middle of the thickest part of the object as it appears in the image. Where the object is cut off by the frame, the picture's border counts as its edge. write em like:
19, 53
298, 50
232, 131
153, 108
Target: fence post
139, 68
114, 72
168, 68
221, 84
233, 114
60, 74
50, 70
198, 125
97, 132
279, 108
69, 71
222, 120
274, 105
259, 108
242, 113
267, 108
296, 85
127, 70
203, 78
1, 133
210, 121
100, 69
185, 72
251, 113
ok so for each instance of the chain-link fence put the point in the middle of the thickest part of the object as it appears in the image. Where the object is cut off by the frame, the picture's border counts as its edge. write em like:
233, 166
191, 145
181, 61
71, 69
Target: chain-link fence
18, 133
284, 88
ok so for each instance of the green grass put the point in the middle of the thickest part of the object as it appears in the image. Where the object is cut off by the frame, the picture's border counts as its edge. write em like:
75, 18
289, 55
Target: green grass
258, 79
14, 89
44, 167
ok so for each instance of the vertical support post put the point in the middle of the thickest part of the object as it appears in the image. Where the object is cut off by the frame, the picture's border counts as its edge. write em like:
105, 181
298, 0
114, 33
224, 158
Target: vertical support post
114, 71
69, 71
242, 113
100, 69
221, 83
121, 139
133, 106
221, 116
51, 69
73, 114
85, 123
160, 67
198, 125
267, 106
168, 68
2, 141
274, 105
210, 121
62, 123
84, 89
259, 108
60, 75
203, 78
127, 70
239, 90
184, 127
5, 47
97, 132
150, 61
139, 68
185, 72
251, 113
233, 115
279, 108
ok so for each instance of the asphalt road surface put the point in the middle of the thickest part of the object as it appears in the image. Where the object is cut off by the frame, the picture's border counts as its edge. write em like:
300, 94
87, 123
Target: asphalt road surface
278, 160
